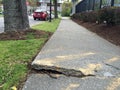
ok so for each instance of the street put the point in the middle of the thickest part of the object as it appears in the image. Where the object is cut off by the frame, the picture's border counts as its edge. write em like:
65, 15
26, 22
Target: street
31, 21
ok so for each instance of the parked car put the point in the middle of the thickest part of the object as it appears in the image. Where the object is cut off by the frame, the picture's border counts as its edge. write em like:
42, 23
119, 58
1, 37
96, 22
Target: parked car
41, 15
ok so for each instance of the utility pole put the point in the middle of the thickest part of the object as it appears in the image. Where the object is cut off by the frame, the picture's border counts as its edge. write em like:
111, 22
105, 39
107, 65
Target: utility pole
50, 10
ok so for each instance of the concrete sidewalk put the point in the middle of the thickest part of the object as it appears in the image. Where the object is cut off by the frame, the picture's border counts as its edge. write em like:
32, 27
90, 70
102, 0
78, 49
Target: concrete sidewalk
92, 62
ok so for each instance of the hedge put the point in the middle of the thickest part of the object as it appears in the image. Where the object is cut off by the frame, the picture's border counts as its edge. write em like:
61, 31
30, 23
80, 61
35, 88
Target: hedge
110, 15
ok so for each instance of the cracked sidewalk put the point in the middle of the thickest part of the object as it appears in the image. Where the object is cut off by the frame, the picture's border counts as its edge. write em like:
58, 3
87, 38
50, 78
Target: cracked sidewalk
74, 51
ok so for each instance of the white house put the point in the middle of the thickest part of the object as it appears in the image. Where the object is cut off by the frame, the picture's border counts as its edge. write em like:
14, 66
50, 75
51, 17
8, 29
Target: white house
74, 3
45, 5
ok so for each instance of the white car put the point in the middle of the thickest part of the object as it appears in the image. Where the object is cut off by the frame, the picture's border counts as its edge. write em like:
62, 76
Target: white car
52, 15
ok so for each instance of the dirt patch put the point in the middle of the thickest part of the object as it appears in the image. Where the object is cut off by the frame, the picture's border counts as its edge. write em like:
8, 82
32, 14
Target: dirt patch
23, 35
110, 33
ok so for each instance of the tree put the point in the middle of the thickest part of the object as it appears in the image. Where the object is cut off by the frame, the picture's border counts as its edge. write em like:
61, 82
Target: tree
55, 8
33, 3
66, 8
15, 15
0, 2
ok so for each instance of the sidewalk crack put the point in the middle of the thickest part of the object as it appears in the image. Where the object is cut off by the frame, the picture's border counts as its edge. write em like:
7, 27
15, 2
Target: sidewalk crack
112, 66
58, 70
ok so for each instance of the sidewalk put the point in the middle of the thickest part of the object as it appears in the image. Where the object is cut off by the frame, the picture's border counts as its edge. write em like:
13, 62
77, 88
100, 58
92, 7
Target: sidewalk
92, 62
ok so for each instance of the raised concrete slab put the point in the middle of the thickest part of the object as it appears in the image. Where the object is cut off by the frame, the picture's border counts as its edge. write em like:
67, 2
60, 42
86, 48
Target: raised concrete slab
73, 47
44, 82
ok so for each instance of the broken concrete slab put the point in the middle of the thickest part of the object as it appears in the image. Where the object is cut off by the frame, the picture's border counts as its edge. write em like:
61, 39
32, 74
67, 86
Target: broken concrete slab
44, 82
74, 48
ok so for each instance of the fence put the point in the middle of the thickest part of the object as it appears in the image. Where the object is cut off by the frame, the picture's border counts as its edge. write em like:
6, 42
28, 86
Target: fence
88, 5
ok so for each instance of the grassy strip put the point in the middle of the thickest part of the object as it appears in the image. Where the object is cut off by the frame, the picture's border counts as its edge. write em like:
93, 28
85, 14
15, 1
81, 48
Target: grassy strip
15, 56
48, 26
1, 15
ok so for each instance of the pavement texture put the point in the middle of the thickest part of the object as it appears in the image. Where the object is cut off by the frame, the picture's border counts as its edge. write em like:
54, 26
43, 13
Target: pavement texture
44, 82
85, 61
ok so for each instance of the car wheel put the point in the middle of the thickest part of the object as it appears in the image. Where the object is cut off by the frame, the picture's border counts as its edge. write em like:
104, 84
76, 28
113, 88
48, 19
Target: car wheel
34, 18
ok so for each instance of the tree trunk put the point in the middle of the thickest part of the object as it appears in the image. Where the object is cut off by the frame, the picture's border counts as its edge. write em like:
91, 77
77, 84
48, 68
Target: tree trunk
55, 8
15, 15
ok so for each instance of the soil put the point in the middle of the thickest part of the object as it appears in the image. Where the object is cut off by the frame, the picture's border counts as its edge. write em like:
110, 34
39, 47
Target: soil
23, 35
110, 33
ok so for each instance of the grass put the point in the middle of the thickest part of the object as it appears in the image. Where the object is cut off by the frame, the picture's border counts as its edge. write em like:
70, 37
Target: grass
48, 26
16, 54
1, 15
14, 58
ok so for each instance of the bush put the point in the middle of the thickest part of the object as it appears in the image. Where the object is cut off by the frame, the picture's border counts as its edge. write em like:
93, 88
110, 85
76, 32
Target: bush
117, 16
86, 16
66, 8
89, 16
111, 15
108, 15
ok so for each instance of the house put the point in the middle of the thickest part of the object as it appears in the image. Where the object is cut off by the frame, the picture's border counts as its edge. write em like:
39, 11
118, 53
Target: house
45, 5
89, 5
74, 3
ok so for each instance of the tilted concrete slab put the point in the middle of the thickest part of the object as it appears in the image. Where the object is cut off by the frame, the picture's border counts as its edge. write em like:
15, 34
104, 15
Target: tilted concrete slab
44, 82
73, 47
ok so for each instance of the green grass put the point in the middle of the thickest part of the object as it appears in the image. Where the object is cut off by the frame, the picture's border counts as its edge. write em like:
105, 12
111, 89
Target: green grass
16, 54
1, 15
14, 57
48, 26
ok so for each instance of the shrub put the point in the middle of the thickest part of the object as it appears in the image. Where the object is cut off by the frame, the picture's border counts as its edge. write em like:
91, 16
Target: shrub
75, 16
89, 16
108, 15
111, 15
117, 16
86, 16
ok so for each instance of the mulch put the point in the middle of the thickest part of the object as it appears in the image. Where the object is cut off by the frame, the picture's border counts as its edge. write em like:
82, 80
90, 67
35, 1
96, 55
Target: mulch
110, 33
23, 35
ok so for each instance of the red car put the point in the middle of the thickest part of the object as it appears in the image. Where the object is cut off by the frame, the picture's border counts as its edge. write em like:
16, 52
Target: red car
38, 14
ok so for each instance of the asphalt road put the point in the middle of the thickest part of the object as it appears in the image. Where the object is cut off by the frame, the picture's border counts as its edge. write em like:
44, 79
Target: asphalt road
31, 21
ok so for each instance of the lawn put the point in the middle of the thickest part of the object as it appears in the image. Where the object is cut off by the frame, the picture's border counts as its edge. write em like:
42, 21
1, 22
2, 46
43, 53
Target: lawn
1, 15
15, 55
48, 26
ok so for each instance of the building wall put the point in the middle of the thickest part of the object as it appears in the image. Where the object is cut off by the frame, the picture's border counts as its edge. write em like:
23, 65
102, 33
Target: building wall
87, 5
